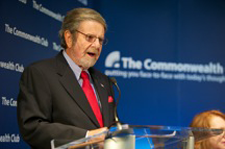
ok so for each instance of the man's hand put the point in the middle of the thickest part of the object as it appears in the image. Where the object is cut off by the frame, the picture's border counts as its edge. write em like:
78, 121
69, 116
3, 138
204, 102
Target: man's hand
99, 138
96, 131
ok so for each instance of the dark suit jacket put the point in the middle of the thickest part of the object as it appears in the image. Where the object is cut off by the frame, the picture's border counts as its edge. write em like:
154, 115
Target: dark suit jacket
52, 105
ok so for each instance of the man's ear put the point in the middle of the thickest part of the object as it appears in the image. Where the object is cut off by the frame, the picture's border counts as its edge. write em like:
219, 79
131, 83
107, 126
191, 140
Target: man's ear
68, 38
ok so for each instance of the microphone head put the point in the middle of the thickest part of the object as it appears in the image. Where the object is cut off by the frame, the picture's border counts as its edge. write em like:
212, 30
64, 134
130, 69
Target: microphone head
113, 80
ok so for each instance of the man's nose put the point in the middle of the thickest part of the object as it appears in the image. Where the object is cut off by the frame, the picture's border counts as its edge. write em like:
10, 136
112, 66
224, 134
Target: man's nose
97, 42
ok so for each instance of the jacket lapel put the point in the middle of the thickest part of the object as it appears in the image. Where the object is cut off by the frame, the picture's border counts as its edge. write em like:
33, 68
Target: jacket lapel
71, 85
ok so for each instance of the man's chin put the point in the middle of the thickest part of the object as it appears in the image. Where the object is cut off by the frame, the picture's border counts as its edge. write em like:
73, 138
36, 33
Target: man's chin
88, 65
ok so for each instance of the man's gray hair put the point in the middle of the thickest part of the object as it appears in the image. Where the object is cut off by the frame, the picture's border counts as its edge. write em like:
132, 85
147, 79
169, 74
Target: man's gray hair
73, 19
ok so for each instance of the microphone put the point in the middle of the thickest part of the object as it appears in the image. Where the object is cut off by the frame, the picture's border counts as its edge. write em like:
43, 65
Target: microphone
123, 137
119, 126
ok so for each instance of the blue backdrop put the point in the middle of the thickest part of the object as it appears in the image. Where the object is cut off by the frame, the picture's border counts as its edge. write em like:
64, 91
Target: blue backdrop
167, 56
182, 43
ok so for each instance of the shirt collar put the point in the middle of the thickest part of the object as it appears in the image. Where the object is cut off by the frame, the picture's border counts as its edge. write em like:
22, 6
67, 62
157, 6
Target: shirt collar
75, 68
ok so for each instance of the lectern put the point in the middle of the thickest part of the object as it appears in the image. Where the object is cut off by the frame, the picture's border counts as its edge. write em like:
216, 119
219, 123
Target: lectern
141, 137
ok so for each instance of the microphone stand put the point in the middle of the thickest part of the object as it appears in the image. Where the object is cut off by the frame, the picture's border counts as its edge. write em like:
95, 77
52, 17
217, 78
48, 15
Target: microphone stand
118, 124
122, 138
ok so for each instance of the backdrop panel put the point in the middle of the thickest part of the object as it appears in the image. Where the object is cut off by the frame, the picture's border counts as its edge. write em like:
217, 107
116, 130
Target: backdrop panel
29, 32
168, 58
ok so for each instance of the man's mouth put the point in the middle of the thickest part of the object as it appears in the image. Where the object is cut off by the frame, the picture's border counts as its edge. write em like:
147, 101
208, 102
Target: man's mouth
92, 54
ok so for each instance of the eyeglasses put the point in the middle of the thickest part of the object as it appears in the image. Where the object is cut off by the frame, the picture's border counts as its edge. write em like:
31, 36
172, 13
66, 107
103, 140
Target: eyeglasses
92, 38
